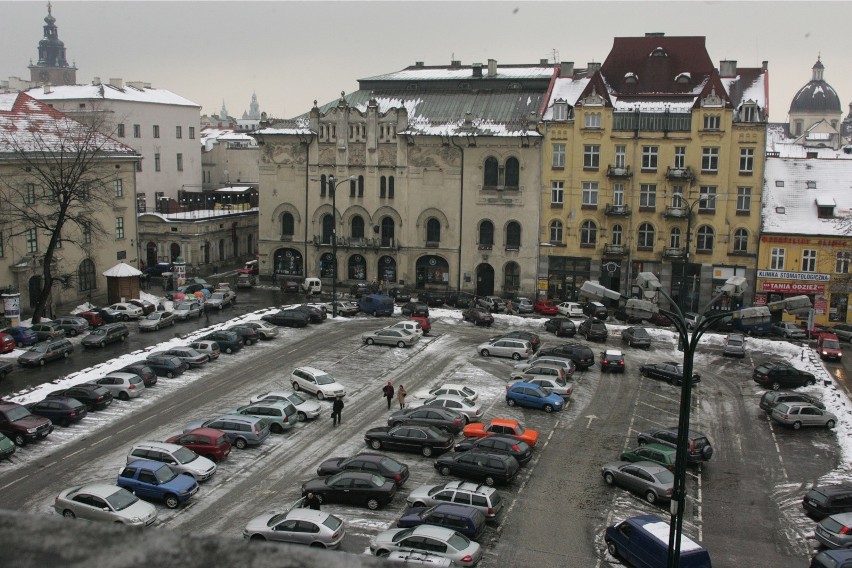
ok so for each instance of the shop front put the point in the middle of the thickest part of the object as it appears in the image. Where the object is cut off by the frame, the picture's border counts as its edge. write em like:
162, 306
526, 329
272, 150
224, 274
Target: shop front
775, 285
565, 276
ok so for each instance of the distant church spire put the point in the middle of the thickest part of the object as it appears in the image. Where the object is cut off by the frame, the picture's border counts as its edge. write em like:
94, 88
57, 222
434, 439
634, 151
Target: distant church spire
52, 66
818, 70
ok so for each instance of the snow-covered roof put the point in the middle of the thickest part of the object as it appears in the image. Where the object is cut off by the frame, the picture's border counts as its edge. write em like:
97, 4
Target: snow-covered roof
567, 89
652, 105
807, 184
209, 137
195, 215
465, 72
122, 270
236, 189
127, 92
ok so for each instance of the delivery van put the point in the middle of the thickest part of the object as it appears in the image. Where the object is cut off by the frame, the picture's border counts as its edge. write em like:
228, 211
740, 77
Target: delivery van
376, 304
643, 541
312, 286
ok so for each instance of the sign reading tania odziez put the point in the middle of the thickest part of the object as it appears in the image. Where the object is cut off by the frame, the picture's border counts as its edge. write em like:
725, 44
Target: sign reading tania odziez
800, 276
793, 288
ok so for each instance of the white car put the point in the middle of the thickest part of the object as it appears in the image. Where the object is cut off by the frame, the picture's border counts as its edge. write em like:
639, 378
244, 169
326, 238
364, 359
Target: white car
263, 328
317, 382
128, 311
455, 389
413, 326
185, 310
104, 502
304, 407
123, 386
517, 349
570, 309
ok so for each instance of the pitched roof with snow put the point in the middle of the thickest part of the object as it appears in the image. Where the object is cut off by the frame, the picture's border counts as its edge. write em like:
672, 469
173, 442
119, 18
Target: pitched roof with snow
122, 270
127, 92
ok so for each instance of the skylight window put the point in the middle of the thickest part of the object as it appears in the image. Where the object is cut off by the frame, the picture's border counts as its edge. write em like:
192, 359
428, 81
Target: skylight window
781, 210
779, 183
811, 184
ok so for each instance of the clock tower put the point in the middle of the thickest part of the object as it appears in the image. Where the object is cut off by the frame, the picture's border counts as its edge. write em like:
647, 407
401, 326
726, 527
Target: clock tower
52, 67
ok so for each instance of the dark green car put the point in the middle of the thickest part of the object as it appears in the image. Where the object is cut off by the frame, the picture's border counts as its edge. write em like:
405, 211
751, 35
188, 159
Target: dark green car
657, 453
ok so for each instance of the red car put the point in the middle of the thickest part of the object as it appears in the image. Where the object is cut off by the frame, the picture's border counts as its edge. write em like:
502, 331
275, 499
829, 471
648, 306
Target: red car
545, 307
425, 324
94, 318
501, 427
208, 442
147, 307
7, 343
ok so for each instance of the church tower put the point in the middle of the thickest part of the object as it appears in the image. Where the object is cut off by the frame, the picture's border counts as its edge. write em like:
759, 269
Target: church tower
52, 67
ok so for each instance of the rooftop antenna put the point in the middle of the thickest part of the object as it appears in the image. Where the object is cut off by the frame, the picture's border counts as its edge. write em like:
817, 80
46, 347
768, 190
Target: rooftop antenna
555, 55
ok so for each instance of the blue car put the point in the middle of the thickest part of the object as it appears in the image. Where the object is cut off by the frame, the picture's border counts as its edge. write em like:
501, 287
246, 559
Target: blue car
157, 481
23, 336
532, 396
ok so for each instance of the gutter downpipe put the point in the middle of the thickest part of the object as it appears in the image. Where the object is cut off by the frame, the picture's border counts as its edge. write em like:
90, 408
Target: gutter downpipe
461, 215
307, 142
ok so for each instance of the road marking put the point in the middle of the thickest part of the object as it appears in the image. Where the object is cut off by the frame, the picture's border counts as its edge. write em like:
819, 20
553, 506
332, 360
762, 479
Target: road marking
14, 482
590, 417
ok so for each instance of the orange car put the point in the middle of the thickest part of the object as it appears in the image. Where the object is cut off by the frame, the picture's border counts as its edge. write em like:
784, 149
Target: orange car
501, 426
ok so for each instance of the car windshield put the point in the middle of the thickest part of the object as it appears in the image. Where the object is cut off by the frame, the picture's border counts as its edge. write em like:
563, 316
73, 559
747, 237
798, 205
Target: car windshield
459, 541
560, 381
664, 476
217, 296
325, 380
165, 474
276, 519
831, 344
377, 480
41, 348
735, 341
16, 413
639, 332
98, 332
121, 499
154, 315
184, 455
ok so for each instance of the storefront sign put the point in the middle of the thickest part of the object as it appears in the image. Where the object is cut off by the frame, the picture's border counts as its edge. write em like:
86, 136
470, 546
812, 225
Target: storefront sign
820, 305
802, 276
804, 241
792, 288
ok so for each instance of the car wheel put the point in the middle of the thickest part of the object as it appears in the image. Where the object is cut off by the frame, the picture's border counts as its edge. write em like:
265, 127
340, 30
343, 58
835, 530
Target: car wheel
829, 424
612, 548
516, 356
651, 497
258, 538
41, 362
608, 477
484, 353
320, 396
229, 350
489, 481
445, 470
102, 344
372, 504
170, 375
69, 514
277, 429
510, 401
302, 416
776, 385
548, 408
370, 341
797, 425
66, 354
172, 501
123, 396
73, 333
295, 386
382, 553
810, 382
400, 344
240, 443
375, 444
425, 450
317, 545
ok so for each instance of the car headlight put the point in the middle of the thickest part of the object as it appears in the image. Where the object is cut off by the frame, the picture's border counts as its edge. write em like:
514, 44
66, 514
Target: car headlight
32, 430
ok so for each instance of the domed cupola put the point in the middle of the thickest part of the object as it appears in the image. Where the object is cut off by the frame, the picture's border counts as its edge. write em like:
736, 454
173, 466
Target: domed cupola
817, 95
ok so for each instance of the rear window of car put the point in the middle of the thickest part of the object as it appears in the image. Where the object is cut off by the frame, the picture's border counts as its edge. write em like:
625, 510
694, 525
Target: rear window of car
332, 522
391, 465
459, 541
221, 440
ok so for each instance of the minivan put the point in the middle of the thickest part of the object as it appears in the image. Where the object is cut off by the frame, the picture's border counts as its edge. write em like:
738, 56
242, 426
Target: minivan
46, 352
108, 333
376, 304
828, 346
643, 540
242, 431
463, 519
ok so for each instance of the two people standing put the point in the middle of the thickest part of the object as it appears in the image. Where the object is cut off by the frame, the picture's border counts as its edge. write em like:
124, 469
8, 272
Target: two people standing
388, 392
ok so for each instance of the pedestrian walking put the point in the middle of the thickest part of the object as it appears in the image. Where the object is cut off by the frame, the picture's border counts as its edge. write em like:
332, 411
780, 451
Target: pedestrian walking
388, 392
510, 309
313, 501
207, 316
400, 396
336, 408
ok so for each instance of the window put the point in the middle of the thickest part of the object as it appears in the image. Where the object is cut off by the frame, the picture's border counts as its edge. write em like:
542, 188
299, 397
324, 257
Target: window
138, 165
709, 159
648, 195
593, 120
809, 258
32, 241
157, 162
86, 232
620, 156
30, 196
192, 132
680, 157
712, 122
512, 174
704, 239
360, 186
677, 196
746, 160
433, 231
588, 233
390, 187
323, 183
557, 192
513, 235
86, 275
351, 188
556, 231
558, 155
492, 174
560, 111
749, 113
387, 231
616, 235
156, 131
707, 199
137, 131
486, 233
590, 193
649, 157
180, 162
743, 199
2, 252
741, 241
120, 131
117, 187
674, 238
119, 228
776, 258
618, 194
383, 186
288, 225
357, 227
646, 236
511, 276
327, 229
591, 156
178, 132
841, 263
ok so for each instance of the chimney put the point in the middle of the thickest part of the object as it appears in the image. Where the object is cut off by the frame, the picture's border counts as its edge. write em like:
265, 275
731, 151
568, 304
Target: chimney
136, 84
593, 68
455, 63
47, 89
96, 81
728, 68
655, 34
477, 70
116, 82
492, 67
566, 69
543, 62
766, 66
418, 64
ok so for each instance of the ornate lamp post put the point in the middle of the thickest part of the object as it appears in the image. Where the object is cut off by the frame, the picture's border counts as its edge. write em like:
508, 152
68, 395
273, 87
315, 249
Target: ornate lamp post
332, 186
690, 206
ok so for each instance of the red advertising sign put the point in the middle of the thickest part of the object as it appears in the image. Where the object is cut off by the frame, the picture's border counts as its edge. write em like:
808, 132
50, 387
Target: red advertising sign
793, 288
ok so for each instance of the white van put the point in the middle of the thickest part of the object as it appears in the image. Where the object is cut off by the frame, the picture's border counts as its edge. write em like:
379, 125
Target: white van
312, 285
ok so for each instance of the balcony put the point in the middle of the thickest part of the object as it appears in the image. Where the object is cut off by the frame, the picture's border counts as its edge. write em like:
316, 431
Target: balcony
674, 252
483, 246
676, 212
613, 172
680, 174
617, 210
614, 250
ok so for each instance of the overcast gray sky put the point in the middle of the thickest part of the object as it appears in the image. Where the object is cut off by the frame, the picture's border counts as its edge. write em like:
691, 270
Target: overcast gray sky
291, 53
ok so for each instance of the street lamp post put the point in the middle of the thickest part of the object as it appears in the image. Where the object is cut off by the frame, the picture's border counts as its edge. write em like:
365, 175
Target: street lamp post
689, 208
332, 186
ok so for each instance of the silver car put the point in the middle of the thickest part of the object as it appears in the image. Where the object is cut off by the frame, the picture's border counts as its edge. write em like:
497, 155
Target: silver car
735, 345
157, 320
486, 499
517, 349
650, 480
554, 385
835, 531
469, 409
455, 389
185, 310
788, 330
428, 538
123, 386
104, 502
798, 414
297, 525
397, 337
188, 355
264, 330
304, 407
567, 365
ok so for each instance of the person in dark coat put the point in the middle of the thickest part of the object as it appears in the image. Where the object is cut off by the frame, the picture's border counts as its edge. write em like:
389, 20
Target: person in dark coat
336, 408
388, 392
313, 501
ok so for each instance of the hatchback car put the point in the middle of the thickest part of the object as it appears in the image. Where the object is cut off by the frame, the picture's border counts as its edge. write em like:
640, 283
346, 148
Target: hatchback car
7, 343
369, 463
415, 309
825, 500
734, 345
517, 349
657, 453
23, 336
166, 365
567, 364
211, 348
280, 414
465, 520
93, 318
297, 525
636, 337
561, 327
835, 531
228, 341
317, 382
519, 450
570, 309
798, 414
6, 367
485, 499
242, 431
524, 305
412, 326
352, 488
654, 482
771, 398
106, 334
394, 337
778, 374
156, 321
399, 295
146, 373
45, 352
427, 538
423, 439
595, 310
180, 458
490, 468
305, 408
698, 444
478, 316
73, 325
493, 304
533, 396
545, 307
612, 360
123, 386
60, 410
105, 503
208, 442
593, 329
158, 481
48, 330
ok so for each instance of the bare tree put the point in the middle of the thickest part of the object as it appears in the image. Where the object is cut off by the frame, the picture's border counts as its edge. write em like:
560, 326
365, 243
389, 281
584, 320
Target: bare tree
63, 182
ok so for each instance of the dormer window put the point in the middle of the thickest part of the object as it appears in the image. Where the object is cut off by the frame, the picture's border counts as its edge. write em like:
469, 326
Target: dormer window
825, 207
683, 79
748, 112
779, 183
781, 210
810, 184
659, 52
631, 78
560, 110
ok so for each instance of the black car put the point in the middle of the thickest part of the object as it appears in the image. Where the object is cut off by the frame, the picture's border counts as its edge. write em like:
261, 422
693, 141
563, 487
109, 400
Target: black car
593, 329
61, 410
460, 299
669, 371
110, 316
431, 299
166, 365
142, 370
779, 374
561, 326
478, 316
157, 269
368, 463
612, 360
636, 337
399, 295
463, 519
825, 500
352, 488
6, 367
488, 467
287, 318
247, 334
518, 449
698, 444
426, 440
415, 309
534, 339
315, 314
772, 398
582, 355
95, 397
359, 289
441, 418
228, 341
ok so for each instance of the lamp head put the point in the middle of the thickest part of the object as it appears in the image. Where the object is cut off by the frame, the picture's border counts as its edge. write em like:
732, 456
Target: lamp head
648, 281
594, 291
734, 286
797, 305
752, 316
642, 309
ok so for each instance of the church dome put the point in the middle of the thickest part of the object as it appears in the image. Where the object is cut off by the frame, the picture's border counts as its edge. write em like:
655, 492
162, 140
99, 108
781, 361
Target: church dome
817, 95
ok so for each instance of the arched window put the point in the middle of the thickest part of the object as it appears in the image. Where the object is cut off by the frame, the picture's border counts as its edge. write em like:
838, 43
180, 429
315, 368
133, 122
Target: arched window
588, 233
387, 232
357, 267
433, 231
704, 238
617, 235
486, 233
357, 227
511, 277
221, 249
327, 228
491, 172
674, 238
287, 225
390, 187
387, 269
556, 231
513, 235
741, 240
383, 186
513, 173
322, 185
86, 275
646, 236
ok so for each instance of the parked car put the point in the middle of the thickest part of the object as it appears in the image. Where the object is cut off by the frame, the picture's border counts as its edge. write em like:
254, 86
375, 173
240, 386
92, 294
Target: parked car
568, 366
187, 310
228, 341
698, 444
412, 326
344, 308
570, 309
242, 431
388, 336
108, 315
280, 414
6, 367
490, 468
352, 488
47, 330
289, 286
123, 386
545, 307
788, 330
106, 334
211, 348
642, 540
158, 269
158, 481
561, 326
835, 531
73, 325
581, 354
305, 408
314, 313
636, 337
669, 371
485, 499
524, 305
263, 330
157, 320
7, 448
842, 331
423, 439
654, 482
211, 443
95, 397
317, 382
734, 345
247, 334
595, 310
431, 298
798, 414
832, 558
20, 425
501, 426
517, 349
465, 520
45, 352
772, 398
426, 538
104, 503
399, 295
478, 316
59, 410
7, 343
493, 304
369, 463
297, 525
593, 329
536, 370
461, 300
471, 411
454, 389
496, 444
778, 374
127, 310
23, 336
612, 360
534, 339
656, 453
143, 371
441, 418
181, 459
147, 307
621, 315
287, 318
691, 319
359, 289
533, 396
93, 318
167, 366
218, 300
415, 309
824, 500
